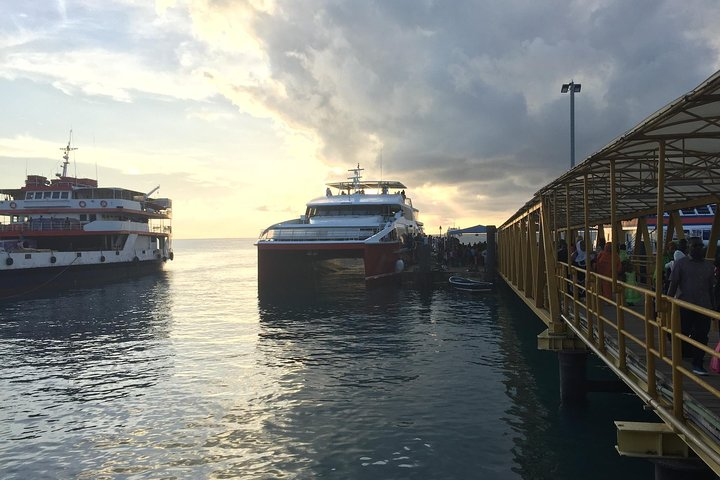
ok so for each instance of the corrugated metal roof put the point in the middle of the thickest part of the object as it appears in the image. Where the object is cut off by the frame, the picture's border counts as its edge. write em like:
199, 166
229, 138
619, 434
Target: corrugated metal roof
690, 128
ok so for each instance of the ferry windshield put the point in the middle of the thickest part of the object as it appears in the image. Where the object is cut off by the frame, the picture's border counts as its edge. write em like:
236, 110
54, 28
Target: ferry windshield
359, 210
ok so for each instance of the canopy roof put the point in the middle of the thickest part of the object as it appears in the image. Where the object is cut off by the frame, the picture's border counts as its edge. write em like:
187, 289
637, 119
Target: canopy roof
460, 231
690, 130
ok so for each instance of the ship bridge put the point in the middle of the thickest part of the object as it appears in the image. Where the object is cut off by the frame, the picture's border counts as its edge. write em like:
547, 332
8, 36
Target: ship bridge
667, 163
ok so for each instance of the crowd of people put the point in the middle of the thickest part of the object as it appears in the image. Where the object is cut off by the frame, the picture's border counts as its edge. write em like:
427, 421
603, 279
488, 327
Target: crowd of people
687, 275
451, 252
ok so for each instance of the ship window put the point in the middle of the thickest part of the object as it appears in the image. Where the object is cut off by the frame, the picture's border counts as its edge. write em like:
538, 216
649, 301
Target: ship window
56, 194
29, 196
703, 210
38, 195
706, 234
63, 194
83, 217
28, 256
47, 194
93, 217
79, 254
688, 211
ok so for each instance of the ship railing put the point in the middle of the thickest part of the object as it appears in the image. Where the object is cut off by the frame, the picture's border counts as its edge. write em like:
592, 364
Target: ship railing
44, 226
319, 234
161, 229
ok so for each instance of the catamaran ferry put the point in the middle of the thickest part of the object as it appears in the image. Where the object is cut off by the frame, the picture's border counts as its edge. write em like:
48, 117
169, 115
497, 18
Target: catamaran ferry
373, 222
68, 231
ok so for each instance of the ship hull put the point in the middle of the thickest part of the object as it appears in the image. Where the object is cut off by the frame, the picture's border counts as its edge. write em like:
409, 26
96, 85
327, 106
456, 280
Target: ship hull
33, 281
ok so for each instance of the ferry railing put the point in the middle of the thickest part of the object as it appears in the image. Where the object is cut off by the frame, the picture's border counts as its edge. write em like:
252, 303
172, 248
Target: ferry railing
40, 227
646, 343
320, 234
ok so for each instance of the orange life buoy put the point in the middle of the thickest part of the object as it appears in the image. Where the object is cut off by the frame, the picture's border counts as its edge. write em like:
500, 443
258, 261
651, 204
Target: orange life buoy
103, 203
13, 205
82, 203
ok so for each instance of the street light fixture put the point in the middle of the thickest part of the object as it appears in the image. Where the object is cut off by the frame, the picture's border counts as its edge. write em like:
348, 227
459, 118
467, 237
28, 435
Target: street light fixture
573, 88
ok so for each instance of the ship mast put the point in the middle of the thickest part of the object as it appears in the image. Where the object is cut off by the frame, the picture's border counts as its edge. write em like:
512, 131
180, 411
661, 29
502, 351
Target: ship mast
66, 156
356, 178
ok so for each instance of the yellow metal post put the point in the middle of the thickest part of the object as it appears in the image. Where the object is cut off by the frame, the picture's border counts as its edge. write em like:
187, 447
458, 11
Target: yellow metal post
659, 240
649, 346
677, 378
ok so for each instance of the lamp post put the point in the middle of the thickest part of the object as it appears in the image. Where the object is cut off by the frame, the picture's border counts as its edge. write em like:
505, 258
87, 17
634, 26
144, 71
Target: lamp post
573, 88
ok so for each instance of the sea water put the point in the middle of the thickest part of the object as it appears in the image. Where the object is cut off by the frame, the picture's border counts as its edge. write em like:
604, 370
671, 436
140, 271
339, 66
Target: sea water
188, 374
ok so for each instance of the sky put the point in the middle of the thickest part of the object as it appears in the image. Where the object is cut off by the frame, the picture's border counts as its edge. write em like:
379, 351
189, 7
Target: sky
242, 110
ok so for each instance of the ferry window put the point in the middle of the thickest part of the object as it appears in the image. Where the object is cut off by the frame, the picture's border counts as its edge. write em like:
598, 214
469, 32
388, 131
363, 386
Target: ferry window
29, 196
706, 235
38, 195
93, 217
703, 210
63, 194
83, 217
688, 211
47, 194
56, 194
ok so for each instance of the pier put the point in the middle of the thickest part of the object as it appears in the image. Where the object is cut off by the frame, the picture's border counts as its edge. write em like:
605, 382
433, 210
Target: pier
667, 163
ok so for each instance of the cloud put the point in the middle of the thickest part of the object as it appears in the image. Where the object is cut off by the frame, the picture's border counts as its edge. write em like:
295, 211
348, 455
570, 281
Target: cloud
461, 98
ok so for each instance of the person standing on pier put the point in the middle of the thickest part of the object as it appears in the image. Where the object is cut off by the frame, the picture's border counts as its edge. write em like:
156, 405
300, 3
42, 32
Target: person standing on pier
578, 259
693, 275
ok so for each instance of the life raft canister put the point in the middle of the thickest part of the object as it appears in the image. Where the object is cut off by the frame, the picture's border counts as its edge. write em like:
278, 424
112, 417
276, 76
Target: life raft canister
82, 203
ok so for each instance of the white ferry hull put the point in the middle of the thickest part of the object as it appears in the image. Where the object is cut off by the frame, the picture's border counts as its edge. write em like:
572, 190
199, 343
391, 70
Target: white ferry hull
33, 281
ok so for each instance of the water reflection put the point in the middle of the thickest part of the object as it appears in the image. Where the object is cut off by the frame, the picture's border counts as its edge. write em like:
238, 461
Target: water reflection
81, 347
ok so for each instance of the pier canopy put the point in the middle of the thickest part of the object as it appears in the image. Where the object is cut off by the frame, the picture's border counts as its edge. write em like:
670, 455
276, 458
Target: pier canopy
674, 152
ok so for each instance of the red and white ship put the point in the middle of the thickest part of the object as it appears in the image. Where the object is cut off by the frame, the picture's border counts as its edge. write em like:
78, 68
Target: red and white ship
68, 231
370, 221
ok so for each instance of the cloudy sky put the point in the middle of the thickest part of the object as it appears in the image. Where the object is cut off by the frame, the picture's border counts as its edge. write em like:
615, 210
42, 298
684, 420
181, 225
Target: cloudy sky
241, 110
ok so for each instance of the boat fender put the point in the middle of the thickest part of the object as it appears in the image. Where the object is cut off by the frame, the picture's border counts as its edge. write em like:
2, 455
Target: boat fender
82, 203
399, 266
53, 259
171, 256
103, 203
9, 261
136, 259
102, 258
13, 205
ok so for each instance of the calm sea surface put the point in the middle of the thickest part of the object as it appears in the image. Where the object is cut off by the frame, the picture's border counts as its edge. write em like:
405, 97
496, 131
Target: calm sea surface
187, 374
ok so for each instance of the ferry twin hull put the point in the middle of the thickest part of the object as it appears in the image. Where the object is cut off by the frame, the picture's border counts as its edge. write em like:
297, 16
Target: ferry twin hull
281, 263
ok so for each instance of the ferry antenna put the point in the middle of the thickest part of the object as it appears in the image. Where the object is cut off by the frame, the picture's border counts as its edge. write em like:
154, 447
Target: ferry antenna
66, 155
